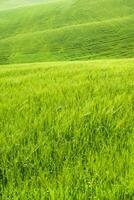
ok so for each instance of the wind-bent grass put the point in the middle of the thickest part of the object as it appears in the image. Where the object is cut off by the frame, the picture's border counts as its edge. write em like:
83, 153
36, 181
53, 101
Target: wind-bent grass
67, 130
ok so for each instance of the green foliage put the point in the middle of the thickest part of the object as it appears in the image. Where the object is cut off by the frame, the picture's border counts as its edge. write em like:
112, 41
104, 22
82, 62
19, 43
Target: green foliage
67, 30
66, 130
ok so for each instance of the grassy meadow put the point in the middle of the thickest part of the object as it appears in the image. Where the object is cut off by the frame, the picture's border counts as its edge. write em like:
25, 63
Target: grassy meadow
67, 130
66, 99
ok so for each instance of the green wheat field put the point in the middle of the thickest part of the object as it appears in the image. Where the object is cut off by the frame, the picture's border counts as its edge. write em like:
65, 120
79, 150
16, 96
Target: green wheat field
67, 100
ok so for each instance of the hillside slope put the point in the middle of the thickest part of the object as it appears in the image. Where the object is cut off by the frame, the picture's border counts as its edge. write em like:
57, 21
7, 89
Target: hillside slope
67, 30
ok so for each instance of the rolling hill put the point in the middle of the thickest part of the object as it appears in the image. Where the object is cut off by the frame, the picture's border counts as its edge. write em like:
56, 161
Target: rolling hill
66, 30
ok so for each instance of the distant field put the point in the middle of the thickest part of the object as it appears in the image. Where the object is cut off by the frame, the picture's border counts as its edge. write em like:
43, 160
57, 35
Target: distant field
66, 30
67, 130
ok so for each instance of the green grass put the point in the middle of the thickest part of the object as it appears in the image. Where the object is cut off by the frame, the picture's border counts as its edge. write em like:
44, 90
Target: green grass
67, 30
67, 130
